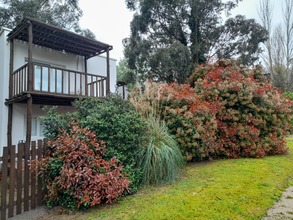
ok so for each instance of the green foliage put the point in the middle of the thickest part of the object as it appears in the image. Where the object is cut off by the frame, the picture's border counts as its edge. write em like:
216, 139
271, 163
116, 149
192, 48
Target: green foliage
289, 95
124, 73
54, 121
170, 64
121, 127
116, 122
169, 38
75, 173
63, 14
162, 158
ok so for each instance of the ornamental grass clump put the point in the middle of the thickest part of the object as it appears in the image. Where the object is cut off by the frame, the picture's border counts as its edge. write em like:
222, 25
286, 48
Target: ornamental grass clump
162, 158
75, 173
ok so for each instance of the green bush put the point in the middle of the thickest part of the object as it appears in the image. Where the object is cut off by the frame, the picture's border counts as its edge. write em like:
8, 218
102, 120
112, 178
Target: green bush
53, 121
162, 158
75, 173
117, 123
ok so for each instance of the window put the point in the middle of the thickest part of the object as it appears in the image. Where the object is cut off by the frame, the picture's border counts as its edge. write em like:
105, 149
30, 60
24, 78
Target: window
37, 127
43, 71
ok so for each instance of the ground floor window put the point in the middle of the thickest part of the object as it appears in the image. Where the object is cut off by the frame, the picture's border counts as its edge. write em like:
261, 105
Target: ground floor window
37, 127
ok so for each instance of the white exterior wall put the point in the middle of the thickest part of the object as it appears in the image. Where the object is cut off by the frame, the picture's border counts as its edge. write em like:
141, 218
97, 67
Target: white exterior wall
19, 120
4, 81
46, 56
96, 65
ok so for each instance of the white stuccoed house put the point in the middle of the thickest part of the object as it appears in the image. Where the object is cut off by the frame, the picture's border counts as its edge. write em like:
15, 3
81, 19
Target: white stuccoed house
42, 65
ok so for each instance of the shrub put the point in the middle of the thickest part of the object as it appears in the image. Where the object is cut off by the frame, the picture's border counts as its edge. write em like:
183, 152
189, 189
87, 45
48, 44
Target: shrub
252, 117
289, 95
75, 173
117, 123
54, 121
162, 158
121, 127
189, 119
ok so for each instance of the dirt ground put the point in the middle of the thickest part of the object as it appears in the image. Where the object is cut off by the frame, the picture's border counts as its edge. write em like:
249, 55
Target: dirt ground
282, 210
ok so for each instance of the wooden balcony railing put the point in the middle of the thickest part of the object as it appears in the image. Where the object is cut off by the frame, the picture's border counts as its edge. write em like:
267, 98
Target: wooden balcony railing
53, 80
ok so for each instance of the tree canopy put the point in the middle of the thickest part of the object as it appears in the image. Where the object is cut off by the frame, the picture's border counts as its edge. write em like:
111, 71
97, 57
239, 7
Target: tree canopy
278, 49
64, 14
170, 37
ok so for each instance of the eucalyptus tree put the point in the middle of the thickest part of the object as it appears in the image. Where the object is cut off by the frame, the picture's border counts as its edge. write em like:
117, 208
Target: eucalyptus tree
61, 13
170, 37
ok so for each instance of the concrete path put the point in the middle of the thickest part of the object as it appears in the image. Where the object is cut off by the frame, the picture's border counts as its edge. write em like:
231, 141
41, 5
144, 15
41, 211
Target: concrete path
34, 214
282, 210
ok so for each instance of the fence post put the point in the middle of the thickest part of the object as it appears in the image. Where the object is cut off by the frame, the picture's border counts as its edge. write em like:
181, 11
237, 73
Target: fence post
4, 183
33, 177
20, 154
11, 180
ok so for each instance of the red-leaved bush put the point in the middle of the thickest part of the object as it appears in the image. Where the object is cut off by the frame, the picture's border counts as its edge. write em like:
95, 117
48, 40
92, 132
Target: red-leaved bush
76, 174
227, 111
188, 118
252, 117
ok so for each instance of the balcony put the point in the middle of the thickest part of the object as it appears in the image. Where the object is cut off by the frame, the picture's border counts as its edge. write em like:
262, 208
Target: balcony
52, 85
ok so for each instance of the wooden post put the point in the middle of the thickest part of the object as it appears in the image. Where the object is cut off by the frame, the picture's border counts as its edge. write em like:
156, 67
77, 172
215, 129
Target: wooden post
9, 125
12, 181
11, 67
19, 184
4, 184
30, 87
85, 70
29, 121
30, 58
108, 74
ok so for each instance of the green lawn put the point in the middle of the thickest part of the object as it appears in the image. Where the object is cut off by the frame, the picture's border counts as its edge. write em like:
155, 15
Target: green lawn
224, 189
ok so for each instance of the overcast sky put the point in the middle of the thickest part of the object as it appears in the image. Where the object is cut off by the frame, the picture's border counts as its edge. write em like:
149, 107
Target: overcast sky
110, 19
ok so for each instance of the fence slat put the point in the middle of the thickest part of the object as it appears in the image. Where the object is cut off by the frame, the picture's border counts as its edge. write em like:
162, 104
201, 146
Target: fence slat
33, 178
20, 154
12, 176
21, 189
4, 183
39, 187
26, 177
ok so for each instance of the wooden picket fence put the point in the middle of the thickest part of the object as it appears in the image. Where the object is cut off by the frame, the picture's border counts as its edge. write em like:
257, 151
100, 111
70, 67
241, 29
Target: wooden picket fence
21, 189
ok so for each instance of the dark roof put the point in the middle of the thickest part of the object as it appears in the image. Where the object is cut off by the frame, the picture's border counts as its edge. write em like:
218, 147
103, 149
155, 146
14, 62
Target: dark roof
58, 39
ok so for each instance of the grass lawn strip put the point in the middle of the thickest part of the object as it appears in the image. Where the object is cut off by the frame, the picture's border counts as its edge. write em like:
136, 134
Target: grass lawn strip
223, 189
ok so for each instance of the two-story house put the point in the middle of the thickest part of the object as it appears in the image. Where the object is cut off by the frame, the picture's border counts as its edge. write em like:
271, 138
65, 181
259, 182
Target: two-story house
42, 65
